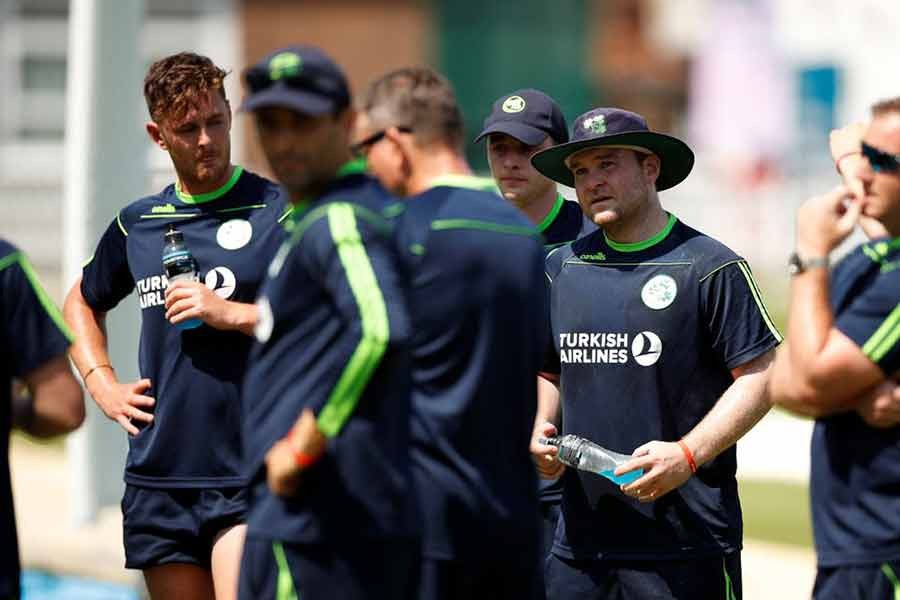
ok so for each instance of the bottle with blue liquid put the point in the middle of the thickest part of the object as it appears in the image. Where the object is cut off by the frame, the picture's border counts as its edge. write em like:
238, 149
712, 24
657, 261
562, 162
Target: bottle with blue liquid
179, 263
585, 455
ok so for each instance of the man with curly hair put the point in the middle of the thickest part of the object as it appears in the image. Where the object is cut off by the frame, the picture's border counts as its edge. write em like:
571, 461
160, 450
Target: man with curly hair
185, 499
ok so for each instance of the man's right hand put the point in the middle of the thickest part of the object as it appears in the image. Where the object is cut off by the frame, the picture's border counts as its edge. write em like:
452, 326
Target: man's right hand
545, 456
121, 401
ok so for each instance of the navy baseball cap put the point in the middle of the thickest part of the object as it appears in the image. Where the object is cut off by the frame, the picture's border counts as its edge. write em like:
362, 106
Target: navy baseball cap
617, 128
301, 78
527, 115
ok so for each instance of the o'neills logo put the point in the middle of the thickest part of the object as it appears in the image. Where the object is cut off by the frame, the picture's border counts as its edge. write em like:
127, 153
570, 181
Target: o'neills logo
609, 348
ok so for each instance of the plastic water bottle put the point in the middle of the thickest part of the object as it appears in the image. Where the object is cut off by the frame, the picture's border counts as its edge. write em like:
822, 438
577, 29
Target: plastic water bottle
179, 263
585, 455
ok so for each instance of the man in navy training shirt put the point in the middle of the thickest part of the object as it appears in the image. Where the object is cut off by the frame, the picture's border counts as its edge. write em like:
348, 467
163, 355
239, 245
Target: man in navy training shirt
662, 347
844, 331
326, 401
520, 124
185, 497
476, 311
33, 345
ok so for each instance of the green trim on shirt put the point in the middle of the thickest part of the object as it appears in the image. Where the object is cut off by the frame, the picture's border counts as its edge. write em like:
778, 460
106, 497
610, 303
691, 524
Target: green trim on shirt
373, 316
638, 246
551, 216
209, 196
48, 305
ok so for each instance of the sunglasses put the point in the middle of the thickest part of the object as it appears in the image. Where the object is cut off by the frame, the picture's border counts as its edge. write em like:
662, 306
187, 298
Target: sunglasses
881, 161
361, 148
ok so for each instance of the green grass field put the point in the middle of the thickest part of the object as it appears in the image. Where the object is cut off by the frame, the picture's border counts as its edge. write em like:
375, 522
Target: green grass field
776, 512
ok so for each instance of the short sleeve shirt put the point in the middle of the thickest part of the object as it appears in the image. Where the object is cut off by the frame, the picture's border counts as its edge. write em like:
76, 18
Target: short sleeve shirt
645, 336
856, 468
32, 333
196, 374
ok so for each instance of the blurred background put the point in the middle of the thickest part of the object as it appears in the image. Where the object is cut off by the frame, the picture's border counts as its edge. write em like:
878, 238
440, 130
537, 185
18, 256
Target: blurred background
754, 86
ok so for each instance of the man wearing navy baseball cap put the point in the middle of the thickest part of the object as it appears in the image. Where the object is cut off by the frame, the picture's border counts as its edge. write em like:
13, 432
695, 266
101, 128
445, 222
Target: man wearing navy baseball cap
520, 124
662, 349
326, 396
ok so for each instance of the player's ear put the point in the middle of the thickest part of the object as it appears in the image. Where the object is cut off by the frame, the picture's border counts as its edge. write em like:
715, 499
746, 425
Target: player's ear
155, 134
651, 165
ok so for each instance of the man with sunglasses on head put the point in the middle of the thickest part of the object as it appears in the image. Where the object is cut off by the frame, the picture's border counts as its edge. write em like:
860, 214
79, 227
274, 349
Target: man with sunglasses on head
844, 342
477, 311
326, 399
185, 496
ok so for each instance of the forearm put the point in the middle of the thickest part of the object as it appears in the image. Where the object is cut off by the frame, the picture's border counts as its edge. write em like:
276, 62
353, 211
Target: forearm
52, 404
743, 404
90, 352
547, 402
242, 317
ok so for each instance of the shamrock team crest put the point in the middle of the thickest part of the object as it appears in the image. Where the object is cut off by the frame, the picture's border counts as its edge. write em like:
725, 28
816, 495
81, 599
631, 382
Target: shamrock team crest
596, 124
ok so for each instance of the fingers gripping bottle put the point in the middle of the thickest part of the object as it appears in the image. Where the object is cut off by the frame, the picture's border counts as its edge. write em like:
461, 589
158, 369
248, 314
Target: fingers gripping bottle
179, 263
585, 455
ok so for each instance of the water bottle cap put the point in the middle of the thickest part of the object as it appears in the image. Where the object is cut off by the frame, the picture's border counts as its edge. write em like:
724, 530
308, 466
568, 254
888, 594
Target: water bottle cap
173, 235
554, 441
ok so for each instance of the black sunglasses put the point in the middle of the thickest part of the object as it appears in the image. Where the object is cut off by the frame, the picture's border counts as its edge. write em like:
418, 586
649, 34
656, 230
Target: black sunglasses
881, 161
361, 147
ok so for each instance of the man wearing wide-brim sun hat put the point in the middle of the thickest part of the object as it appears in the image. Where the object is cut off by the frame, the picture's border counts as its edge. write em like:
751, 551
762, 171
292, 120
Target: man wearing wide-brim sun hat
662, 349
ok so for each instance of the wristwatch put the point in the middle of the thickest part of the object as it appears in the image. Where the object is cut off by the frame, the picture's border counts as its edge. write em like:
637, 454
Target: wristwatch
797, 265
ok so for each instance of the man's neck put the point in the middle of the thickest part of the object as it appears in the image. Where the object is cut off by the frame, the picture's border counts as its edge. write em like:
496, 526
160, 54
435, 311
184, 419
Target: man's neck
300, 197
433, 163
638, 227
196, 189
539, 209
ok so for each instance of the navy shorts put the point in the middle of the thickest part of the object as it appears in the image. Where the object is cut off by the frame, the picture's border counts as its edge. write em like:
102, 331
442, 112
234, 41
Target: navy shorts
862, 582
363, 570
715, 578
177, 525
497, 580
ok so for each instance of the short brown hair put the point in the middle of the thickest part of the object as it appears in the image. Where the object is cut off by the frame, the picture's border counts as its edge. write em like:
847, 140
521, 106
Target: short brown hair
174, 83
884, 107
419, 98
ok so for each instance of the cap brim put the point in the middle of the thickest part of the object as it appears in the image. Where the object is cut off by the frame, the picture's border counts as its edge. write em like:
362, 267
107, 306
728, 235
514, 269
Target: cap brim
676, 158
300, 101
531, 136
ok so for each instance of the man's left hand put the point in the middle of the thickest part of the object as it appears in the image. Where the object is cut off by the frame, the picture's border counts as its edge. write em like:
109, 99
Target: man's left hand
193, 300
665, 469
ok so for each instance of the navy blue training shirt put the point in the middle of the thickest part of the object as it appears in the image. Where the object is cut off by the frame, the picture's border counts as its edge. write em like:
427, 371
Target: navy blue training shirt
477, 306
196, 375
32, 333
565, 223
333, 336
644, 338
856, 468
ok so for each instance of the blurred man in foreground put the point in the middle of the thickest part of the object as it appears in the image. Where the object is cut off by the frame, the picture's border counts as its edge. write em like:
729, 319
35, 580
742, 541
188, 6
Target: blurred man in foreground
33, 345
326, 401
477, 311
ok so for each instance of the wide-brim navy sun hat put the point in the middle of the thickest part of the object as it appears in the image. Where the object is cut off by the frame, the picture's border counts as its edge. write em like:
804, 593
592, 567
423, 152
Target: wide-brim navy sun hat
618, 128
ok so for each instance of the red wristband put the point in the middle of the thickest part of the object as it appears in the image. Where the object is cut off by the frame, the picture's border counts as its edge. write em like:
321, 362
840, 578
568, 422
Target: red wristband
688, 455
301, 459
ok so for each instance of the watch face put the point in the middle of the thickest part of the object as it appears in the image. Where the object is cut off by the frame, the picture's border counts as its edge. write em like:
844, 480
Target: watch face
795, 265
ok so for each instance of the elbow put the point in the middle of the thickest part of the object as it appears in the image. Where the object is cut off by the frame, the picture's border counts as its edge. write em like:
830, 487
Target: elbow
799, 395
74, 415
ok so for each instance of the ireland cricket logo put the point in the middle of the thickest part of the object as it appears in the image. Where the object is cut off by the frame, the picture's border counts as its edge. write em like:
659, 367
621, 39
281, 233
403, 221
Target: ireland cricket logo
596, 125
285, 64
514, 104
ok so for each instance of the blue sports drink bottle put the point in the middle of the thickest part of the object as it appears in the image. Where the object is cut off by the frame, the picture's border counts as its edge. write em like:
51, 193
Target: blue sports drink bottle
179, 263
585, 455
